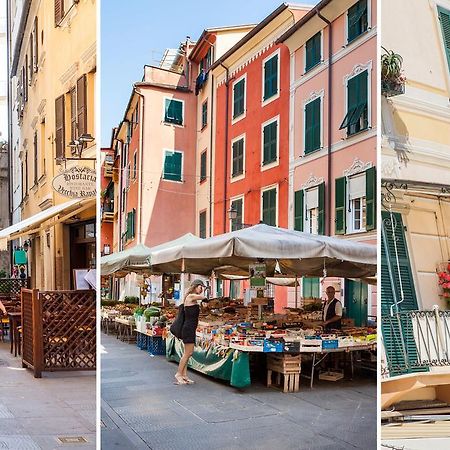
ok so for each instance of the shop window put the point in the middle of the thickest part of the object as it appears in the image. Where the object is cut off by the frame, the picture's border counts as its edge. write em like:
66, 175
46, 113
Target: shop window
312, 125
237, 205
357, 20
173, 165
203, 162
313, 51
270, 142
173, 112
357, 117
237, 149
239, 98
269, 207
444, 19
270, 77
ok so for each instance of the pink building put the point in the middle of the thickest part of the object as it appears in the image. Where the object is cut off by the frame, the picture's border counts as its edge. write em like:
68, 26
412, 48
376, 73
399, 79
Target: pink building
332, 145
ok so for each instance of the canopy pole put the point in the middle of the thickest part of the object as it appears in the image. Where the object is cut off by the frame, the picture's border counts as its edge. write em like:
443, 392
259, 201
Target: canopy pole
296, 292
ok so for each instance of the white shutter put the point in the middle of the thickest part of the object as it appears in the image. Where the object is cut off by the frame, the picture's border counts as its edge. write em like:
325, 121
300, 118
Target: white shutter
312, 198
357, 186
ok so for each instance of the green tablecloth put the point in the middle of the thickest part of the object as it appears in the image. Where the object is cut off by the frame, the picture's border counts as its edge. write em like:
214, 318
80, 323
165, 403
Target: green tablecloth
229, 365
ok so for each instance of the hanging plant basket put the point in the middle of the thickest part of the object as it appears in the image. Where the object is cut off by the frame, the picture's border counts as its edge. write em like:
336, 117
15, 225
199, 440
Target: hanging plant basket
392, 77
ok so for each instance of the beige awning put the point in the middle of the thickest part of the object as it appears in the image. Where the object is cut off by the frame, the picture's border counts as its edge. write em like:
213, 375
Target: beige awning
32, 224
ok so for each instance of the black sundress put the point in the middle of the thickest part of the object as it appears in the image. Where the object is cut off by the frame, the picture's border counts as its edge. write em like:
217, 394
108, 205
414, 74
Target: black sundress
190, 324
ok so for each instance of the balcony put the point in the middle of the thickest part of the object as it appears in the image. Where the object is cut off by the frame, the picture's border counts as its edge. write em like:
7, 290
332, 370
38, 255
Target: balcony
108, 166
108, 211
415, 341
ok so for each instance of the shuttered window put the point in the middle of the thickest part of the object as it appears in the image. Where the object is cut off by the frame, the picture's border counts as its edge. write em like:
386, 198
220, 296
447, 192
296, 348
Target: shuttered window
237, 149
444, 19
340, 202
357, 20
237, 205
173, 111
36, 45
36, 158
313, 51
59, 128
298, 210
73, 114
203, 162
270, 142
312, 125
81, 106
238, 98
202, 224
59, 11
269, 207
204, 114
311, 287
270, 77
371, 199
131, 224
173, 163
357, 118
31, 60
321, 217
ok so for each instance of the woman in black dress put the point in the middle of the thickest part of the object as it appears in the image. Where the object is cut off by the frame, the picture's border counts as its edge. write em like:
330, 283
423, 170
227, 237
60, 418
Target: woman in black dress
191, 313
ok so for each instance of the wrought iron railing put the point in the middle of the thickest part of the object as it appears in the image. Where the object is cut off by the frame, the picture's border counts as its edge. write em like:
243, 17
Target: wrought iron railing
415, 341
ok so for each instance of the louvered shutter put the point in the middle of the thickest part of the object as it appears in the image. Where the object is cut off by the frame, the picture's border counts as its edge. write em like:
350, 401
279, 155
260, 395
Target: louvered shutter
371, 198
298, 210
36, 45
59, 11
321, 217
81, 106
340, 205
59, 127
73, 114
444, 18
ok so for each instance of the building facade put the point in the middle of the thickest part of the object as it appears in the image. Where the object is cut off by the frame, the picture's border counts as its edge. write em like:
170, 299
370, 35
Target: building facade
52, 136
332, 142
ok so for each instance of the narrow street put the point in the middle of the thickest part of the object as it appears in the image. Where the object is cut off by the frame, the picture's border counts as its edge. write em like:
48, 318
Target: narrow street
141, 408
56, 411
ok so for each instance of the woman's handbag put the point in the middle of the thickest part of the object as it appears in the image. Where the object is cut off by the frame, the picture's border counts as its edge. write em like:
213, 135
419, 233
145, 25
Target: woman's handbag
177, 324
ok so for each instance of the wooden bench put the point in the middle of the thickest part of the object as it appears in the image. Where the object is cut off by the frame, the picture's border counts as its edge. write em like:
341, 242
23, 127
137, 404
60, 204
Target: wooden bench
286, 365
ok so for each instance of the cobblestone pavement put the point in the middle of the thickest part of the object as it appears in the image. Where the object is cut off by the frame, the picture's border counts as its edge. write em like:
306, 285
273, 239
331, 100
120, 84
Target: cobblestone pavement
35, 413
141, 408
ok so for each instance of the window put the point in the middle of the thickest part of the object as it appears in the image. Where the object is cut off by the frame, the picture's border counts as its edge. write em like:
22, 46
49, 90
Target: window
237, 151
311, 287
173, 112
239, 98
73, 113
237, 205
78, 119
206, 62
270, 142
203, 161
59, 128
357, 22
444, 18
204, 114
312, 125
357, 117
269, 206
36, 158
59, 11
202, 224
270, 77
309, 209
135, 165
131, 216
35, 45
313, 51
173, 165
355, 202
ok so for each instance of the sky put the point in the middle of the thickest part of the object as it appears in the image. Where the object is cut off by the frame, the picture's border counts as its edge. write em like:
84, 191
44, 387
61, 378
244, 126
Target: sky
137, 32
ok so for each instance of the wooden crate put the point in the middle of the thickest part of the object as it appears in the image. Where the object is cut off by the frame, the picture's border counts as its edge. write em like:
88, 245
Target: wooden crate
287, 369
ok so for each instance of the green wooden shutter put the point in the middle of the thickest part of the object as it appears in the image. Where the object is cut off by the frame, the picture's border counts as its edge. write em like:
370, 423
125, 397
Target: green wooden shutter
444, 18
312, 126
173, 166
238, 98
357, 20
270, 143
238, 158
311, 287
313, 51
269, 207
371, 199
340, 205
271, 77
203, 160
321, 218
298, 210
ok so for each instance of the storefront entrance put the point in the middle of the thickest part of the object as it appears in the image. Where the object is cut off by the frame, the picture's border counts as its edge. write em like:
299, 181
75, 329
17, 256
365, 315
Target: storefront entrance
356, 295
82, 248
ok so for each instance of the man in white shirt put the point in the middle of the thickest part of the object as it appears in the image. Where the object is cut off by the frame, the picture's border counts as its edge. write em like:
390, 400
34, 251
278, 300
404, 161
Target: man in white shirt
332, 311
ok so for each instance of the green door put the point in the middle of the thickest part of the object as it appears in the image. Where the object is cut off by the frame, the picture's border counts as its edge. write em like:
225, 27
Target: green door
356, 296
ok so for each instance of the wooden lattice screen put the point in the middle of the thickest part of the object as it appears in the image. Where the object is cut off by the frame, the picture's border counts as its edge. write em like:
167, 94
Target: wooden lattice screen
29, 301
62, 328
10, 287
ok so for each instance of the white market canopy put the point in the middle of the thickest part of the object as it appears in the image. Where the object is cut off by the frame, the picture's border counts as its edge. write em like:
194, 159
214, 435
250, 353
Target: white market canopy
137, 258
32, 224
297, 254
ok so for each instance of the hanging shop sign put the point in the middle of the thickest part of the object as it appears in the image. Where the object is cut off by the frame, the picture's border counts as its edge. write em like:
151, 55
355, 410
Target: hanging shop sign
257, 276
76, 182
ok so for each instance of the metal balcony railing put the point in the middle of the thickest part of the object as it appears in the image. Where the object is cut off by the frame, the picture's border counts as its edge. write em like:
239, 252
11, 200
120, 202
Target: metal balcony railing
415, 341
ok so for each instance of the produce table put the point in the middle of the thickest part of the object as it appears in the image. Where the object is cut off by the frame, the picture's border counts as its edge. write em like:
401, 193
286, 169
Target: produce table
225, 364
125, 329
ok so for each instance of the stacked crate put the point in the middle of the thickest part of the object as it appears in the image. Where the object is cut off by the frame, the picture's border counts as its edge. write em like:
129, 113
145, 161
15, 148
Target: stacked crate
287, 366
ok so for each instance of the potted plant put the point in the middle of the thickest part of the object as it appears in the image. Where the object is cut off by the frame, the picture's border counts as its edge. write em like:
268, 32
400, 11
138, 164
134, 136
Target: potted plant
443, 273
392, 77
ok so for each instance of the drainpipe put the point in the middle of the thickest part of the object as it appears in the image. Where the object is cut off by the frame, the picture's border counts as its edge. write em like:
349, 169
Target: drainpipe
329, 128
211, 155
225, 166
141, 147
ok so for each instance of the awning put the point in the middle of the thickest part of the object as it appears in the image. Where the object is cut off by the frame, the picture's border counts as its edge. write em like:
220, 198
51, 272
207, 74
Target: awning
32, 224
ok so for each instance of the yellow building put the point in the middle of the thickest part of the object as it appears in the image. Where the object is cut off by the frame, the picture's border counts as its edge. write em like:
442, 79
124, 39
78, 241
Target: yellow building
52, 110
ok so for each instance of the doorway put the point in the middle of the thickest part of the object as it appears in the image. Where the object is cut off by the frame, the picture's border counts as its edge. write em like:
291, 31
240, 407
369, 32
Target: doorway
356, 296
82, 247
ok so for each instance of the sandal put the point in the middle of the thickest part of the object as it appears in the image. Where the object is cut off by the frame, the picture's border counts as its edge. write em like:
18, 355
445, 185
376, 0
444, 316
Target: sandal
188, 380
180, 380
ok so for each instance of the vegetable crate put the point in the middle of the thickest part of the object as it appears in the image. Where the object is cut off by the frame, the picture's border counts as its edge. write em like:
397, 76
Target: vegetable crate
142, 341
156, 345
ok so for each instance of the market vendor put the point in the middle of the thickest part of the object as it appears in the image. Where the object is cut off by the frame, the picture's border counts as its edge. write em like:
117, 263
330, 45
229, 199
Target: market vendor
332, 311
